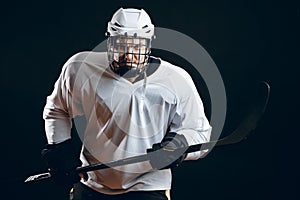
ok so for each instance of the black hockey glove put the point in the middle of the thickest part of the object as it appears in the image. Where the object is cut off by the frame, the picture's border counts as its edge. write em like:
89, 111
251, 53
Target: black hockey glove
62, 161
163, 155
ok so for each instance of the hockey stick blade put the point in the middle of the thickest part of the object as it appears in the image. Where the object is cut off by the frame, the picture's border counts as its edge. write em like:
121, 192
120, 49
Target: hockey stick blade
252, 118
247, 126
249, 123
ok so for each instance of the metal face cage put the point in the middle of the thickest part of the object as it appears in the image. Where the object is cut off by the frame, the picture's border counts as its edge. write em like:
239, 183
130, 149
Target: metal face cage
128, 54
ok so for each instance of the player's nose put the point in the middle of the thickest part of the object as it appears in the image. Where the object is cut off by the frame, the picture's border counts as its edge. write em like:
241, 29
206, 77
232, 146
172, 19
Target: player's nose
131, 56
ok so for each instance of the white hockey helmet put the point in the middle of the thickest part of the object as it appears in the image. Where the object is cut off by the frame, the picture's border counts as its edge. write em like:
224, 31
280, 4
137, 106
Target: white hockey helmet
131, 22
129, 32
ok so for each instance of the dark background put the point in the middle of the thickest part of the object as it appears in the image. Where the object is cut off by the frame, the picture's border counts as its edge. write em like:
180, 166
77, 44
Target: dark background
248, 41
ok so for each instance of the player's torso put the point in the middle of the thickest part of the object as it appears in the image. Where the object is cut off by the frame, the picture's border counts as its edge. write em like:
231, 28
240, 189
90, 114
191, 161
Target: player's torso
121, 114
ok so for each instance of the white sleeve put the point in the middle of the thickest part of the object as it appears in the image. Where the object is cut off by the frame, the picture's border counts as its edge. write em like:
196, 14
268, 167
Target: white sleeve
60, 109
190, 120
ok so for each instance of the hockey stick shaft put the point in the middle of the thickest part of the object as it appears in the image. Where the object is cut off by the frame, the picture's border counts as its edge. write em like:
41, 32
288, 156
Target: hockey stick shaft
125, 161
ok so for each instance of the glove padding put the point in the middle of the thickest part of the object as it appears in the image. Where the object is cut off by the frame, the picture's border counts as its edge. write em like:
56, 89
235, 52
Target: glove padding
163, 155
62, 161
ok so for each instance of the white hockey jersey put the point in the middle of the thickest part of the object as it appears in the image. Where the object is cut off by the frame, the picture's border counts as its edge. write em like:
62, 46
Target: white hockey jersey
124, 119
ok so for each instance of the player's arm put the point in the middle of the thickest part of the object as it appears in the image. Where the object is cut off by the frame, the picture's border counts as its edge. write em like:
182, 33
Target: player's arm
188, 126
56, 114
60, 155
190, 120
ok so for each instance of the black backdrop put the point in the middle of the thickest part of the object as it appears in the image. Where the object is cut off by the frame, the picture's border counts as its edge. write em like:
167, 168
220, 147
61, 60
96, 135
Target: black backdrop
248, 40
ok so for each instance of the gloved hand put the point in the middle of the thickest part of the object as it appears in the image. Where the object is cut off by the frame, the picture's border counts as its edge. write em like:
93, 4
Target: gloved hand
62, 161
163, 155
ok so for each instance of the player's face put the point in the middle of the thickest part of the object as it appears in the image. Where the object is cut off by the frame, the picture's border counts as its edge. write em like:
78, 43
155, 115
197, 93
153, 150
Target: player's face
130, 52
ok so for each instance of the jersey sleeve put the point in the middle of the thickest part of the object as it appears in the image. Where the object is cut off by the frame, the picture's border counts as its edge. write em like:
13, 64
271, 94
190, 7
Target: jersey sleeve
190, 119
61, 106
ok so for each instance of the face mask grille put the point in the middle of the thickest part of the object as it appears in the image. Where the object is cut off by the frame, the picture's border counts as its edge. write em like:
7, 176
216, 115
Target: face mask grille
128, 54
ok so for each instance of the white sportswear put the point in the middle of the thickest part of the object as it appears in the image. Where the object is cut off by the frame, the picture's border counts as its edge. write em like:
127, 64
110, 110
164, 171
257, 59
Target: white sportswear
123, 119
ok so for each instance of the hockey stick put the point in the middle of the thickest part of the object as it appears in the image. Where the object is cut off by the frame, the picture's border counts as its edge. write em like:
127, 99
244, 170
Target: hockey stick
239, 134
